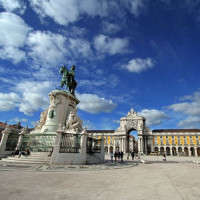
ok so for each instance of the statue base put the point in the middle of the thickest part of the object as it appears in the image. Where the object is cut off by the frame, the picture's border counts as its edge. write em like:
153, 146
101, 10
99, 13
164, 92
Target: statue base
61, 104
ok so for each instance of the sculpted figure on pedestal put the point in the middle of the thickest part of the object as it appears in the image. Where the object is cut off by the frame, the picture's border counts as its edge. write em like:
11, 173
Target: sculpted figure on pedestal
84, 132
43, 117
74, 122
132, 113
54, 100
70, 121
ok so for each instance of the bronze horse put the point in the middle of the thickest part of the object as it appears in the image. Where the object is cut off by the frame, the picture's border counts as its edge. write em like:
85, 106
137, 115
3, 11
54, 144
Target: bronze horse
68, 78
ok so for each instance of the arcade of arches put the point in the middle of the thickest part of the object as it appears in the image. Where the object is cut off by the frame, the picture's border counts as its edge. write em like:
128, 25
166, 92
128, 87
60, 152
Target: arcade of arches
176, 142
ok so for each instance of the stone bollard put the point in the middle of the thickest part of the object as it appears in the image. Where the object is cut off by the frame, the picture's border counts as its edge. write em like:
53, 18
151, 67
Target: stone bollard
21, 135
84, 145
4, 139
56, 146
102, 149
83, 141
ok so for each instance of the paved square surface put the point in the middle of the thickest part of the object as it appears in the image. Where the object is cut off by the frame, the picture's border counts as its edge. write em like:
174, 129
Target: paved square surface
178, 178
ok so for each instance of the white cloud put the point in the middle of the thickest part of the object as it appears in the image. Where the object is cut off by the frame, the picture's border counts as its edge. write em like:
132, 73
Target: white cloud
75, 31
134, 6
80, 47
92, 8
34, 96
88, 124
112, 46
8, 101
110, 28
190, 106
94, 104
16, 119
13, 5
116, 121
31, 97
46, 48
190, 122
99, 81
65, 12
153, 117
62, 12
13, 34
11, 53
13, 30
139, 65
91, 83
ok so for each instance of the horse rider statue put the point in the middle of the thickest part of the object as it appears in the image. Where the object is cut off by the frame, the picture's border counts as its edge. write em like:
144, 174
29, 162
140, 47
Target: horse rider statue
68, 78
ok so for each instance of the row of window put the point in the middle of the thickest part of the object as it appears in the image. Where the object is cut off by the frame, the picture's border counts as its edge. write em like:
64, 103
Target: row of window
177, 136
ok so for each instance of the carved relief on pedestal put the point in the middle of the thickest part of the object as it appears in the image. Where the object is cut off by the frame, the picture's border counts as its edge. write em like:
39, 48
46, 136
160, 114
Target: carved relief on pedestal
43, 117
54, 100
52, 113
74, 123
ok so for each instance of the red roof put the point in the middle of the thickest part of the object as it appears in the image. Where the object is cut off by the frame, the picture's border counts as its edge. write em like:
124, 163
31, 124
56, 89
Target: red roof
176, 130
3, 124
100, 131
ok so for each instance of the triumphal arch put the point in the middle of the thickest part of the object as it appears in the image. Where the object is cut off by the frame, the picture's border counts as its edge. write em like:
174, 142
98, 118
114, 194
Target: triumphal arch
134, 122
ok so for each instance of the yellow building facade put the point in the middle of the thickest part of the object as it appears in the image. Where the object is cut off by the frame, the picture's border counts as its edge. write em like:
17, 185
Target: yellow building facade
181, 142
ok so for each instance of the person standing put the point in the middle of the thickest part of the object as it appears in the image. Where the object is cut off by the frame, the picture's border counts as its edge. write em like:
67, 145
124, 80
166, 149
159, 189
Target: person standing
111, 155
115, 155
132, 155
164, 157
121, 154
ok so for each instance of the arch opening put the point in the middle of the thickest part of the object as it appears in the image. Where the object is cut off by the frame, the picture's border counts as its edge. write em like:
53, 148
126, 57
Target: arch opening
131, 141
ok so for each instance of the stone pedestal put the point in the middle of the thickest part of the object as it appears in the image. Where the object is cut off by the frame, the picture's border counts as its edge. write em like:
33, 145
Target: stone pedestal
69, 158
61, 104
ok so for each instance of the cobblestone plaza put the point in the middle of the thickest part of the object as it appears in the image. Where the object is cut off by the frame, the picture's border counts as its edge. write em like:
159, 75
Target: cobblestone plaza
178, 178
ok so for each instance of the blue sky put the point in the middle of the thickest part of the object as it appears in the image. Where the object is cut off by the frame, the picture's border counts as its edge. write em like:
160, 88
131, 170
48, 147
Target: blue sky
128, 53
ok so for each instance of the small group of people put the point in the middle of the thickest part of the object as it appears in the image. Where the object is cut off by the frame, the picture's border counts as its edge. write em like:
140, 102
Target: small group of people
19, 153
117, 155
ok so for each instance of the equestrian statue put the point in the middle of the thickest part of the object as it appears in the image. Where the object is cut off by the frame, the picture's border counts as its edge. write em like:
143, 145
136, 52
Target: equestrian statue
68, 78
